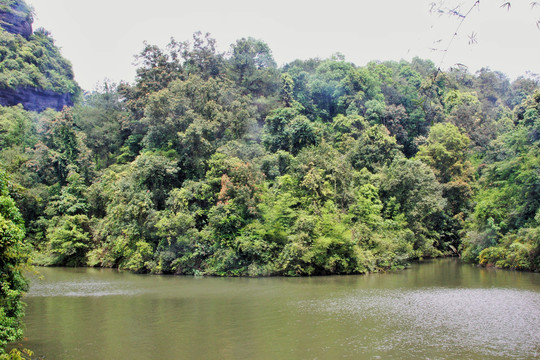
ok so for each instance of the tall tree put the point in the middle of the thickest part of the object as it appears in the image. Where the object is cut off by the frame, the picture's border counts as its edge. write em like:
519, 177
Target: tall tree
253, 67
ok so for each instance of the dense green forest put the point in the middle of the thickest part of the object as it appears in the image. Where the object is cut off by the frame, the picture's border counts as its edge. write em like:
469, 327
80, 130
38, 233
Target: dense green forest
225, 164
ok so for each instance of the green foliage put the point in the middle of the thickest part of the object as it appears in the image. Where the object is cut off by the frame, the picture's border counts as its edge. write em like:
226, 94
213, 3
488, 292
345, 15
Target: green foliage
103, 120
411, 189
68, 240
16, 354
285, 129
253, 68
61, 149
35, 63
194, 117
128, 198
516, 251
14, 256
505, 221
374, 149
16, 127
224, 164
17, 136
446, 151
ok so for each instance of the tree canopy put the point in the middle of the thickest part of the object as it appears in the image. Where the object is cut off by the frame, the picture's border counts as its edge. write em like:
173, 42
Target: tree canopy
225, 164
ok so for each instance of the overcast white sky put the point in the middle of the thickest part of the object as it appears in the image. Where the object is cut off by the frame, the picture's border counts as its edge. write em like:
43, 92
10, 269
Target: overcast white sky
100, 37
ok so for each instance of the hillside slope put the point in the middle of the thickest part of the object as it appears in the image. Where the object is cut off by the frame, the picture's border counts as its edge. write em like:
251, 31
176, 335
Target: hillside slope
32, 70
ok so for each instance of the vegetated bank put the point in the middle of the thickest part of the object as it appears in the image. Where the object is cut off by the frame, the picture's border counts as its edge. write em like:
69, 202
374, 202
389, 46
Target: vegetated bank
225, 164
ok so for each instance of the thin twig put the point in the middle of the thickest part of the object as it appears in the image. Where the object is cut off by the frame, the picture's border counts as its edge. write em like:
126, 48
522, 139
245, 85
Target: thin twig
462, 17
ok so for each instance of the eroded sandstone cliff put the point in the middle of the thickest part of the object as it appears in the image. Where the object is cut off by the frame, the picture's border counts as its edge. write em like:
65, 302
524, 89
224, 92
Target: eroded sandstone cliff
16, 18
34, 99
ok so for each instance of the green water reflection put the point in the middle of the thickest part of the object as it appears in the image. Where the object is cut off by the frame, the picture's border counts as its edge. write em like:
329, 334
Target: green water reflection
438, 310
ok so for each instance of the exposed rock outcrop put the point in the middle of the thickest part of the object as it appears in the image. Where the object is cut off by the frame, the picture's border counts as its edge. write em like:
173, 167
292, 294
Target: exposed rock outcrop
16, 19
35, 99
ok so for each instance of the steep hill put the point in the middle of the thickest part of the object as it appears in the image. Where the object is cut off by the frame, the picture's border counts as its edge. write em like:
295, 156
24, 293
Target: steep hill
32, 71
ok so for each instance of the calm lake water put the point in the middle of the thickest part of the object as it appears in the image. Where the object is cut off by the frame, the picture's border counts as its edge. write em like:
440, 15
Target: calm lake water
441, 309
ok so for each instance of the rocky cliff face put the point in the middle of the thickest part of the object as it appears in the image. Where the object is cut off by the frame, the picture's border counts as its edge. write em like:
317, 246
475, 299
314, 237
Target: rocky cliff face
16, 19
34, 99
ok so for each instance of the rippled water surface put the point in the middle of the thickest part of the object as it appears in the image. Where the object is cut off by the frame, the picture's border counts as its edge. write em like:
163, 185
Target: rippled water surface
435, 310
